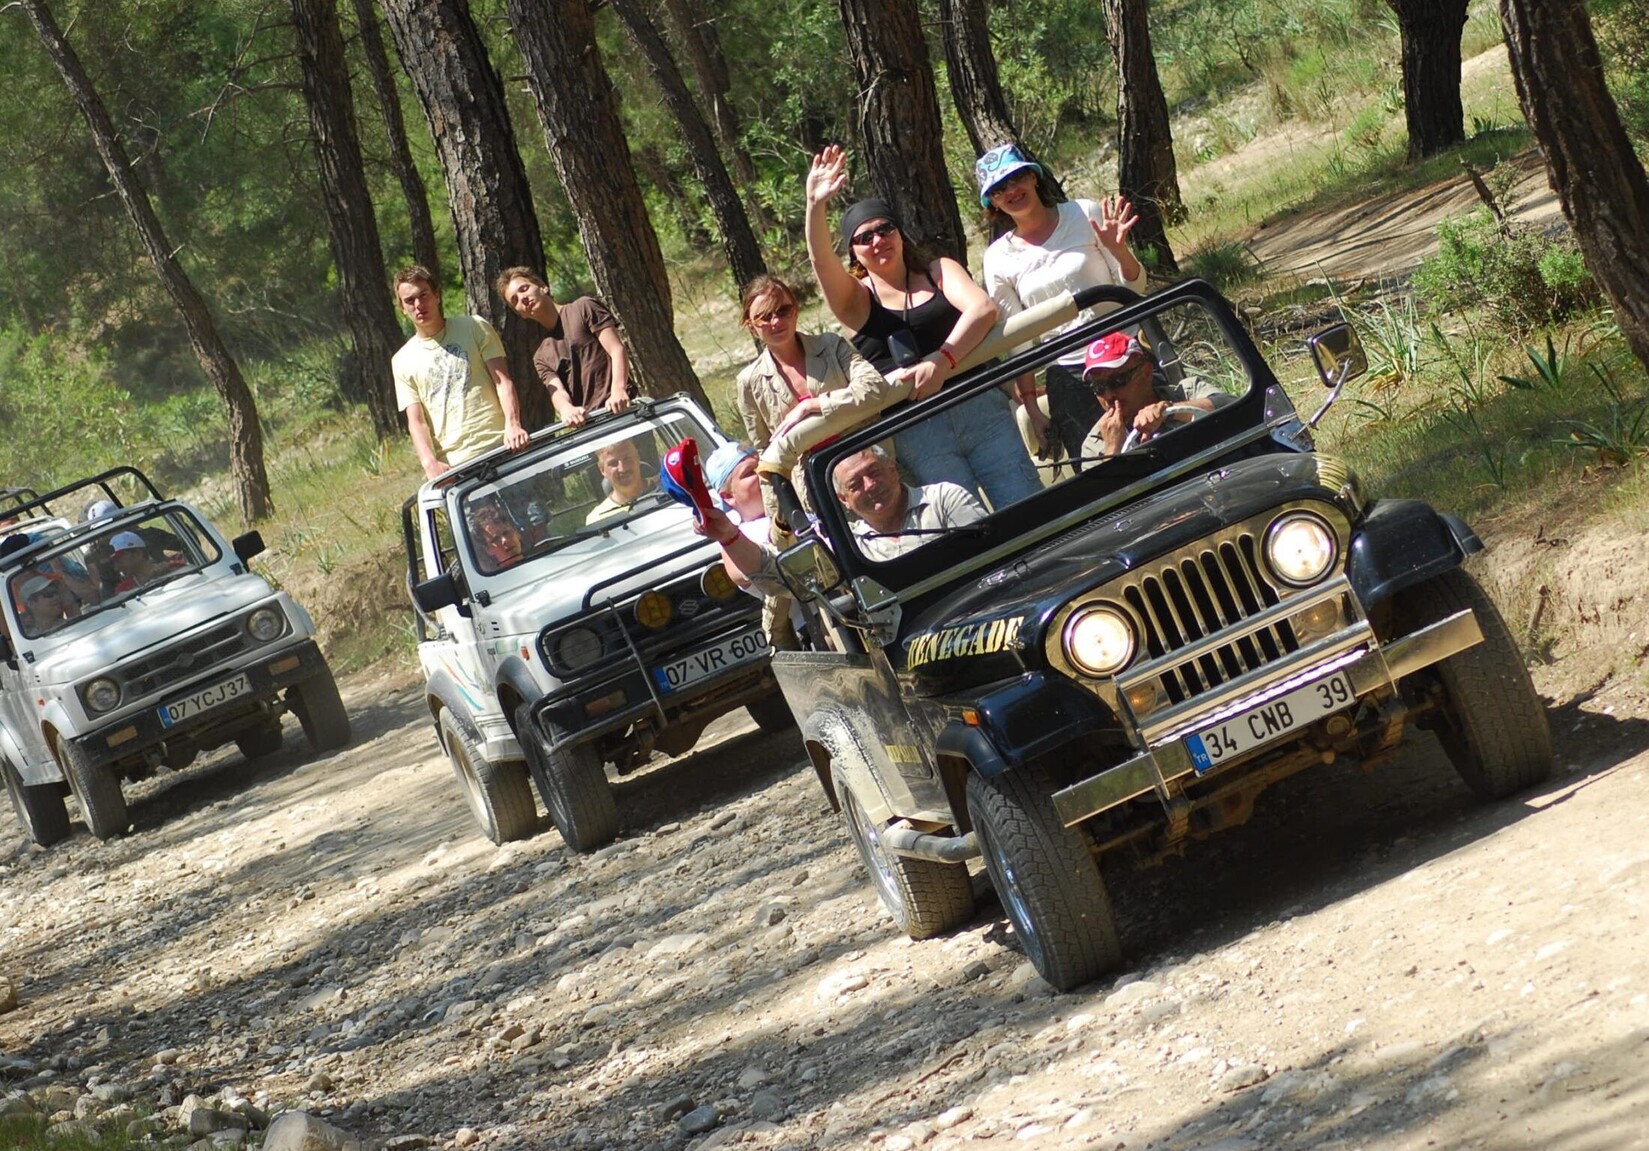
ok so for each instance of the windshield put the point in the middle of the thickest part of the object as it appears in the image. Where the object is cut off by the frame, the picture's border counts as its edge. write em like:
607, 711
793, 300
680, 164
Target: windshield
574, 493
92, 571
961, 463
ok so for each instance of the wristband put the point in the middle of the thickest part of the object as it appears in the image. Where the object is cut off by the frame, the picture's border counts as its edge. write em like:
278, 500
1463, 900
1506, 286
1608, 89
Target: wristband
944, 351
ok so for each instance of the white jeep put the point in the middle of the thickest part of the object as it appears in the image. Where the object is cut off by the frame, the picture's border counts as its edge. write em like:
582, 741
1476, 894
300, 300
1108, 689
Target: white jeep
137, 640
566, 623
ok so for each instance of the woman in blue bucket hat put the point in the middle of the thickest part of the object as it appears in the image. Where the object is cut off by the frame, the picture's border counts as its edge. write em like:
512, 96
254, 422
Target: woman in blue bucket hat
1046, 247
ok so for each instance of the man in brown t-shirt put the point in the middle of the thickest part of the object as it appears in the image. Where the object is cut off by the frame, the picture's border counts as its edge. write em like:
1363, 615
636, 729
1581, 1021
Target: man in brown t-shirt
582, 361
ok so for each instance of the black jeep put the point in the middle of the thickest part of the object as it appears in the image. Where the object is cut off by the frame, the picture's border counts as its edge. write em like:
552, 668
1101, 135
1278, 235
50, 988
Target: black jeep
1124, 660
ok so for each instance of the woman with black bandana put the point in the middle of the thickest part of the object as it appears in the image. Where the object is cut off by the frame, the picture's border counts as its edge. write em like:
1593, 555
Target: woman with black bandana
916, 317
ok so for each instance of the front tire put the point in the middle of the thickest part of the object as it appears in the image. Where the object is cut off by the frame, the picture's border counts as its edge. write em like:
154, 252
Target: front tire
924, 897
102, 805
572, 784
1491, 722
40, 808
772, 714
498, 794
321, 711
1046, 877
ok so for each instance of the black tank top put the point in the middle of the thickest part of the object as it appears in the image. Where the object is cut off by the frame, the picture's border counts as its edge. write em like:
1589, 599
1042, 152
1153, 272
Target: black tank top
930, 322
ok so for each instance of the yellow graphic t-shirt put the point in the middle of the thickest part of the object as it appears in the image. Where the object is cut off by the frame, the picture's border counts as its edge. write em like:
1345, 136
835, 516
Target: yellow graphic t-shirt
448, 375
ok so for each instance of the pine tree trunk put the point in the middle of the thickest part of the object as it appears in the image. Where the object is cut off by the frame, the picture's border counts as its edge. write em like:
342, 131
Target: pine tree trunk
246, 467
424, 250
362, 290
1589, 159
702, 47
654, 168
974, 85
738, 241
492, 209
1431, 31
585, 137
1146, 172
898, 120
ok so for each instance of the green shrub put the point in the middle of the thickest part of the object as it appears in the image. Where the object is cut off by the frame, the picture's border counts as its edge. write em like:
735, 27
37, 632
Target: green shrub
1525, 278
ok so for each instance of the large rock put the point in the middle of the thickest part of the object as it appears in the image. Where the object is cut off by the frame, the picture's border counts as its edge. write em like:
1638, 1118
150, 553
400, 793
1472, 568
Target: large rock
300, 1131
8, 995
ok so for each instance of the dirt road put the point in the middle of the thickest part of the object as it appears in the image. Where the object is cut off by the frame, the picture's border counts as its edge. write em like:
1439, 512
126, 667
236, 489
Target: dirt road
1374, 961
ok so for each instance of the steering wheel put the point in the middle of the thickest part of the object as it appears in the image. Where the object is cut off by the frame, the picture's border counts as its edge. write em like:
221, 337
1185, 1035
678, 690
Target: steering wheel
1188, 411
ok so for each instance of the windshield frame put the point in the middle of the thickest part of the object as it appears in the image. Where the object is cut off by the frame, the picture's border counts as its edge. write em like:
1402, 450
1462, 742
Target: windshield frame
1075, 500
566, 451
81, 537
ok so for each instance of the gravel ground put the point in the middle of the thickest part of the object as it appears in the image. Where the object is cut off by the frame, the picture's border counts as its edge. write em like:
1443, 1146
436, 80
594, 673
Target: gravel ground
1373, 961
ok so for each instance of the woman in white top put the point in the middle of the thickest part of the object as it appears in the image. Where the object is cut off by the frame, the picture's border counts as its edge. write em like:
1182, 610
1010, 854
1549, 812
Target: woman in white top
1047, 247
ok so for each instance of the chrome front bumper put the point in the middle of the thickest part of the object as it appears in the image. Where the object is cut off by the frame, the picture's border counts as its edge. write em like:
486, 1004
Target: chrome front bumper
1353, 651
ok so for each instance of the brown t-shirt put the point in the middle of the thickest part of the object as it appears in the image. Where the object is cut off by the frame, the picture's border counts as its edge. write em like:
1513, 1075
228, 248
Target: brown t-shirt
572, 355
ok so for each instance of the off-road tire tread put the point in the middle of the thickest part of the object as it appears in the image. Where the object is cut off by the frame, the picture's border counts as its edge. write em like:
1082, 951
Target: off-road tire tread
573, 786
40, 808
502, 789
102, 804
321, 712
1504, 743
936, 897
1060, 881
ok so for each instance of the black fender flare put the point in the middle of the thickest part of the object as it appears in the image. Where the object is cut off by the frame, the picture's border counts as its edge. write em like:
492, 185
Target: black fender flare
517, 676
441, 693
1023, 719
1400, 543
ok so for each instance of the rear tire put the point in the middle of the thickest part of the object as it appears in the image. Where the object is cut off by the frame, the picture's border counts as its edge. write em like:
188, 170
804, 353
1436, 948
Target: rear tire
772, 714
924, 897
258, 742
572, 784
498, 794
1046, 877
40, 808
102, 805
1492, 723
321, 711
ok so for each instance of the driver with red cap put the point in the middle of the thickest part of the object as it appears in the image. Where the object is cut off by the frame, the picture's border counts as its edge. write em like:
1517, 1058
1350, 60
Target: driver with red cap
1122, 373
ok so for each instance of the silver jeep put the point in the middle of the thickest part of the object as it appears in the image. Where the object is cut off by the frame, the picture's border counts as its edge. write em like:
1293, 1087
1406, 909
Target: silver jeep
564, 625
137, 640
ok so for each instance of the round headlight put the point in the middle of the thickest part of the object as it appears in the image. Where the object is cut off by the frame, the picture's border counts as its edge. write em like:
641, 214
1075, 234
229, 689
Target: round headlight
653, 610
265, 624
1099, 640
577, 648
717, 584
1300, 549
102, 695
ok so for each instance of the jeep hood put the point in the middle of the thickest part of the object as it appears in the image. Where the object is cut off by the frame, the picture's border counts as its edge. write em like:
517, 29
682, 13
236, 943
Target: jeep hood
147, 620
992, 627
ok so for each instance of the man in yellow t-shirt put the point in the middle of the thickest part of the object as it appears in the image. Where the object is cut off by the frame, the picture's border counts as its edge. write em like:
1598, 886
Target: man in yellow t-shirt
451, 380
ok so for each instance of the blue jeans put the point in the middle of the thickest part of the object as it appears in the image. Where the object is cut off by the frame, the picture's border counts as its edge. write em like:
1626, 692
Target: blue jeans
977, 446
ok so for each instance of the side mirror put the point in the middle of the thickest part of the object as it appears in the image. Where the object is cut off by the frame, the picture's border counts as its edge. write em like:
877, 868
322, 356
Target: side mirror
247, 546
440, 592
809, 570
1338, 354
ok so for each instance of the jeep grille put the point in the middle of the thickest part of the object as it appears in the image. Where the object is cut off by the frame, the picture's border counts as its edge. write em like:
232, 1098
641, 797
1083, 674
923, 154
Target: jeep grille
1196, 592
183, 661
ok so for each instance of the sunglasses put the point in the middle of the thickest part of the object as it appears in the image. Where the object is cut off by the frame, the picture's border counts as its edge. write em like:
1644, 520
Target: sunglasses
782, 312
1006, 182
885, 228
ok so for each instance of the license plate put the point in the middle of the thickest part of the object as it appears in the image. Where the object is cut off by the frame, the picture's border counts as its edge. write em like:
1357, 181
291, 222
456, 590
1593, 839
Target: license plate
1272, 720
728, 653
204, 700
